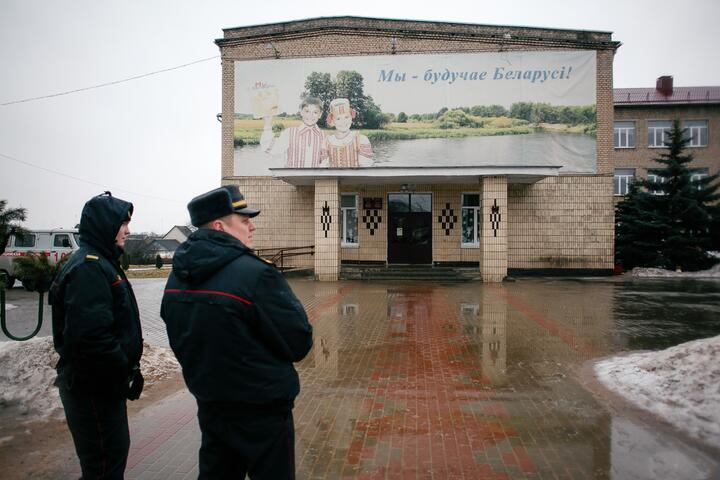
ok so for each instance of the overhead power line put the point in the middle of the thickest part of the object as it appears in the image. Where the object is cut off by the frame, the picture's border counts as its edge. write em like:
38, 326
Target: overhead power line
104, 186
116, 82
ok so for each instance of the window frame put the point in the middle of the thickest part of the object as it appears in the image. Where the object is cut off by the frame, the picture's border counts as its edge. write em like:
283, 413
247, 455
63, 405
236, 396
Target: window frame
478, 218
19, 236
627, 182
665, 130
343, 224
687, 132
616, 134
699, 173
59, 236
655, 178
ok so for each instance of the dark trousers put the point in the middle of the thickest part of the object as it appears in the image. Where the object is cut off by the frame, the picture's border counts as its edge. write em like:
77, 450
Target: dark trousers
236, 442
99, 428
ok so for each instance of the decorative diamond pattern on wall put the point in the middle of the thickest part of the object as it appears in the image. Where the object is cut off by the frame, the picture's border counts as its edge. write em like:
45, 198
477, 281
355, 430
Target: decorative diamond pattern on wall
495, 217
447, 219
326, 219
372, 220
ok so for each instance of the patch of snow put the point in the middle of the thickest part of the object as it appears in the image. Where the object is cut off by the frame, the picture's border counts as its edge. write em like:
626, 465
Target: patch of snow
27, 373
713, 272
9, 306
680, 384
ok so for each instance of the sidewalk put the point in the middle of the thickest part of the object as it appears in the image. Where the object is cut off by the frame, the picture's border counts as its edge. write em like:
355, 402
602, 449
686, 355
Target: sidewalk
428, 381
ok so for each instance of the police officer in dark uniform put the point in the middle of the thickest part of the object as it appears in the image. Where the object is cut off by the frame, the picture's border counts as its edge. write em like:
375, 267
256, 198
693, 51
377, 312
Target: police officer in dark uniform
236, 327
96, 332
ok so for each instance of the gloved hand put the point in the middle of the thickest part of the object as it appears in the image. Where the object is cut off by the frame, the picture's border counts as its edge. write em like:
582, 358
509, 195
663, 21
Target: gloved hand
136, 383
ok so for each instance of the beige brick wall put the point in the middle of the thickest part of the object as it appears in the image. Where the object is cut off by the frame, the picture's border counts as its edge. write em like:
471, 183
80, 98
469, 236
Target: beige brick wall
561, 222
286, 218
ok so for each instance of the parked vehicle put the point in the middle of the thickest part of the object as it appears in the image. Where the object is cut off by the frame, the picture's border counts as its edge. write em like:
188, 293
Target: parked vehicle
55, 244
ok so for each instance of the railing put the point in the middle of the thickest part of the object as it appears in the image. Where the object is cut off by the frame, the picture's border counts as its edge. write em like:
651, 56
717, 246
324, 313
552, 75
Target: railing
278, 255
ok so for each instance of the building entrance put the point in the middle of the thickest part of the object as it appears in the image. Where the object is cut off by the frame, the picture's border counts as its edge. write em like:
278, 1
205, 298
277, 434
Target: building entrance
410, 228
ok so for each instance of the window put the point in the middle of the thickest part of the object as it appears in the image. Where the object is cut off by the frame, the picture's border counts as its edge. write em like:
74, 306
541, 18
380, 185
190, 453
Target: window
624, 135
623, 179
697, 174
697, 132
62, 241
470, 214
24, 240
349, 220
655, 178
658, 131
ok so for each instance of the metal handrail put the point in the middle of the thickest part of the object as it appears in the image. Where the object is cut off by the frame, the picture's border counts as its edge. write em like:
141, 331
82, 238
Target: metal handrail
280, 254
3, 319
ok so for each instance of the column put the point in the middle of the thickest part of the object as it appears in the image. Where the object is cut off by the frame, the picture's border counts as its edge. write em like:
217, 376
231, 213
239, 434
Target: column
493, 242
327, 233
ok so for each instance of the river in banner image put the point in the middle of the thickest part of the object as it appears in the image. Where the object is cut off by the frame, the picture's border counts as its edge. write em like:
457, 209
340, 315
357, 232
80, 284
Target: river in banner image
575, 153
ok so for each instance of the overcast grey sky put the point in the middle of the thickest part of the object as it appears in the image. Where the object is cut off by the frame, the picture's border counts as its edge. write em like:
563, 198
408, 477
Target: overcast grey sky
155, 140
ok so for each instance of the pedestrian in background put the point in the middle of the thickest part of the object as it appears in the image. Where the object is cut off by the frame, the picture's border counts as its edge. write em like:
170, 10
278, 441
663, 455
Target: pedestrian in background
97, 333
236, 328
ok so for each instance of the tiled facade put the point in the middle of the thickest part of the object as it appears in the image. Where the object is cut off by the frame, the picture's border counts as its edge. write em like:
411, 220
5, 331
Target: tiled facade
563, 222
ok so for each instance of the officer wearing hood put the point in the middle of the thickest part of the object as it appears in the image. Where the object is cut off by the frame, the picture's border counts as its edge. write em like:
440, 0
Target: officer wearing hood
96, 332
236, 328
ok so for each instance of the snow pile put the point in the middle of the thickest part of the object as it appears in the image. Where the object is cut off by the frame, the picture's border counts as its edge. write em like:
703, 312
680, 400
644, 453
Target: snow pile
157, 363
27, 373
714, 272
680, 384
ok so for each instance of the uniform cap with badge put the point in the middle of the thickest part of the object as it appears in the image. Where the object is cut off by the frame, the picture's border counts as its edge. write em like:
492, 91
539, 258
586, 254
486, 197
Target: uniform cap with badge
218, 203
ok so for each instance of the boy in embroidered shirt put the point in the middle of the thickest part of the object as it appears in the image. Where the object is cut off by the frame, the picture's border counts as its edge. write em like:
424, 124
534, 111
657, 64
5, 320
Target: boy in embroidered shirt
303, 145
346, 148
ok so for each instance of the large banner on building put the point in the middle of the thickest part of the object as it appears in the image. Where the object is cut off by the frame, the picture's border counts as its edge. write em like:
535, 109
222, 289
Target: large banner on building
474, 109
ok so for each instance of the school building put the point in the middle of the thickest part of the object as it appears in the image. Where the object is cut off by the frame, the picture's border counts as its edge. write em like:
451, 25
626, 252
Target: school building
643, 118
432, 143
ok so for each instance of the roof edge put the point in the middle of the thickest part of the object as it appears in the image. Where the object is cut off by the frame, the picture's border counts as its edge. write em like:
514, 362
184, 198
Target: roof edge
518, 34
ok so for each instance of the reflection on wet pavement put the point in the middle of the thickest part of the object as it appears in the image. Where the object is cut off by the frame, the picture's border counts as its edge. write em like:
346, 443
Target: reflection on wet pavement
423, 380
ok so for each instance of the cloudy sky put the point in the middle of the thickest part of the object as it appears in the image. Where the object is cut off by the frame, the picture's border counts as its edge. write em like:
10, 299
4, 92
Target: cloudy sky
155, 140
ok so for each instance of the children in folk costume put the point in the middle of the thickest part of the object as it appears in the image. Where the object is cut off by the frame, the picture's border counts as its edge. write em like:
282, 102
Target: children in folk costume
346, 148
303, 145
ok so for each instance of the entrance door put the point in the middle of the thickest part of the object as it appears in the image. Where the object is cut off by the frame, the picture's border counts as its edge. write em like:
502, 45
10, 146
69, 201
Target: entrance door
410, 228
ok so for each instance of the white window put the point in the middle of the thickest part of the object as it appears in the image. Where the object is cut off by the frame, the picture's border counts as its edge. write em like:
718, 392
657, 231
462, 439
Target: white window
624, 134
698, 174
470, 215
349, 220
655, 178
623, 179
697, 132
658, 133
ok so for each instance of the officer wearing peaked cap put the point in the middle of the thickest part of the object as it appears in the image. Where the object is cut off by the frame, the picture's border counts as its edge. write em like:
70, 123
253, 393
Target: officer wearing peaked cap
236, 328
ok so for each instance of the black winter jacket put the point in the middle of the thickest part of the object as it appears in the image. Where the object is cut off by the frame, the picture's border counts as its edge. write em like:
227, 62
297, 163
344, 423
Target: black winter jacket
96, 322
234, 323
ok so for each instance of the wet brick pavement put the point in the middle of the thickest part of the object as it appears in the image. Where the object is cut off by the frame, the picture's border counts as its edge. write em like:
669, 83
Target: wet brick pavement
428, 381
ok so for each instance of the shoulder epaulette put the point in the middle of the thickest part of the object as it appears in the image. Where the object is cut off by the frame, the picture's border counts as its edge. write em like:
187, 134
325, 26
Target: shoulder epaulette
92, 257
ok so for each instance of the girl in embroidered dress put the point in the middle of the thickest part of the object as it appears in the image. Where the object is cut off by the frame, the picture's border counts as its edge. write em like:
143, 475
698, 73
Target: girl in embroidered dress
346, 148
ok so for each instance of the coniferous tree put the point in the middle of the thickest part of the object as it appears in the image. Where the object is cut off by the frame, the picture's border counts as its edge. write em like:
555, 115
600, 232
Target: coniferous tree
671, 223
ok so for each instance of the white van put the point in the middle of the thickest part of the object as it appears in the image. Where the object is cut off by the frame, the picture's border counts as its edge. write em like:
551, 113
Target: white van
54, 244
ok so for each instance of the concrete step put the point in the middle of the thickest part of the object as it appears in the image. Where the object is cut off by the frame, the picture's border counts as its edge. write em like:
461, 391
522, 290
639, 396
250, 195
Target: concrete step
409, 272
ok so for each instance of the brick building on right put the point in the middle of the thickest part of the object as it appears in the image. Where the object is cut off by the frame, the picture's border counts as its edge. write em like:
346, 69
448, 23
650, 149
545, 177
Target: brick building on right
643, 116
